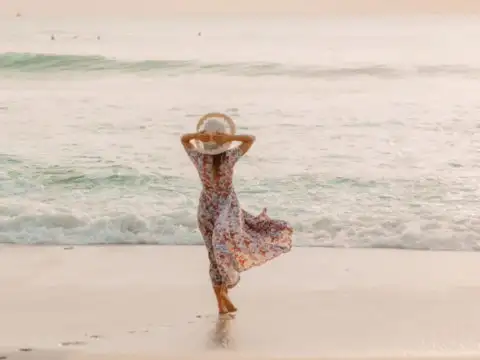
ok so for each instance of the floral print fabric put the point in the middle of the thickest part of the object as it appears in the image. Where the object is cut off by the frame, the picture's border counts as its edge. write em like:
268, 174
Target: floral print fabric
236, 240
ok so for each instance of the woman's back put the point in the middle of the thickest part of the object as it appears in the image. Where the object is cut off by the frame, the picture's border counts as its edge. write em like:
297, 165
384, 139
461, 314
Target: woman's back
216, 171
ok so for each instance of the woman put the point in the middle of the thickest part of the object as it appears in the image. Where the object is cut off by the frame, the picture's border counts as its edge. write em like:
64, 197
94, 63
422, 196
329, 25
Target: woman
235, 239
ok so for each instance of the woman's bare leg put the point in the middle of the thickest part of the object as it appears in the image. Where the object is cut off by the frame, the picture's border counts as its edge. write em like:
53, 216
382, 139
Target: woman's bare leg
222, 308
224, 303
227, 302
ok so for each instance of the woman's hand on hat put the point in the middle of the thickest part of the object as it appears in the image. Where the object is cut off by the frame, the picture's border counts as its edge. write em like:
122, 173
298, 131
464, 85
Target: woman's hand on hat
203, 137
220, 138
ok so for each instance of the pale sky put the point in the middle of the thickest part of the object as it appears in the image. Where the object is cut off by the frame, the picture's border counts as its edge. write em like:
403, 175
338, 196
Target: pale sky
67, 8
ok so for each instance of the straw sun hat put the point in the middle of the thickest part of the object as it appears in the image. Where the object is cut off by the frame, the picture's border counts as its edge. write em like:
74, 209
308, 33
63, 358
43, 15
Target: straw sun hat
211, 123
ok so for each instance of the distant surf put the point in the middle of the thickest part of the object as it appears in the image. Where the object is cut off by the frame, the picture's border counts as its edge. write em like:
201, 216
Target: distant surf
45, 63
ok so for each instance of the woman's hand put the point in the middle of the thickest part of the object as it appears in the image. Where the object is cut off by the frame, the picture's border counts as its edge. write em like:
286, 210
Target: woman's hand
203, 137
186, 138
220, 138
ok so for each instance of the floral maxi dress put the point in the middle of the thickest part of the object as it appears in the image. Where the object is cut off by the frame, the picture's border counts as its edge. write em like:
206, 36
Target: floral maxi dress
236, 240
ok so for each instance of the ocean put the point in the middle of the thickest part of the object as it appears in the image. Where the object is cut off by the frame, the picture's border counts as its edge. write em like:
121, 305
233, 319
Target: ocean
368, 129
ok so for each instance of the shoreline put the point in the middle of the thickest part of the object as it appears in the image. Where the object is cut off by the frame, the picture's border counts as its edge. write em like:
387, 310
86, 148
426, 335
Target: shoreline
68, 246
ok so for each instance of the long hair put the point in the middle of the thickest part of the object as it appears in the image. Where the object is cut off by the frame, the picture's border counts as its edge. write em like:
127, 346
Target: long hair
218, 159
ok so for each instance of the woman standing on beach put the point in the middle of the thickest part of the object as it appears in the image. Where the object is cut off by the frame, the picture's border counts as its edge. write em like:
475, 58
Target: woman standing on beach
236, 240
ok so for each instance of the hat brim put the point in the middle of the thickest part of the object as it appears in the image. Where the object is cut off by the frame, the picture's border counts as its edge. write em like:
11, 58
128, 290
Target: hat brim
227, 146
228, 119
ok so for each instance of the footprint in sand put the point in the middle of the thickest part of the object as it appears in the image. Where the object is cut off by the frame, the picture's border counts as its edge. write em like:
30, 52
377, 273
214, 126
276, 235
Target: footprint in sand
138, 331
73, 343
25, 349
3, 357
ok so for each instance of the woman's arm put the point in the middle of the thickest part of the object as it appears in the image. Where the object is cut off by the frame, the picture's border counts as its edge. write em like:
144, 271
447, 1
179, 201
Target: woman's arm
246, 141
187, 138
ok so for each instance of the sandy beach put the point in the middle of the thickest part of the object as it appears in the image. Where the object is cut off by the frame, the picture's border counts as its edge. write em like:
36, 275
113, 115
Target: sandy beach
365, 140
122, 302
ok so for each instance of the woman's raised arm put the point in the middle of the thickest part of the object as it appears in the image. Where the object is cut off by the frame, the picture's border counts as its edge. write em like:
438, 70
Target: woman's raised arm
246, 142
187, 138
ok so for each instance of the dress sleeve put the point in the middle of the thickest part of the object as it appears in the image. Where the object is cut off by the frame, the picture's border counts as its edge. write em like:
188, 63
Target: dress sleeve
233, 155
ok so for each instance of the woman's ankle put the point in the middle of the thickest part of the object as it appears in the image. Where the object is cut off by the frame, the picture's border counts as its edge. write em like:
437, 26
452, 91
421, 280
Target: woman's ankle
227, 302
